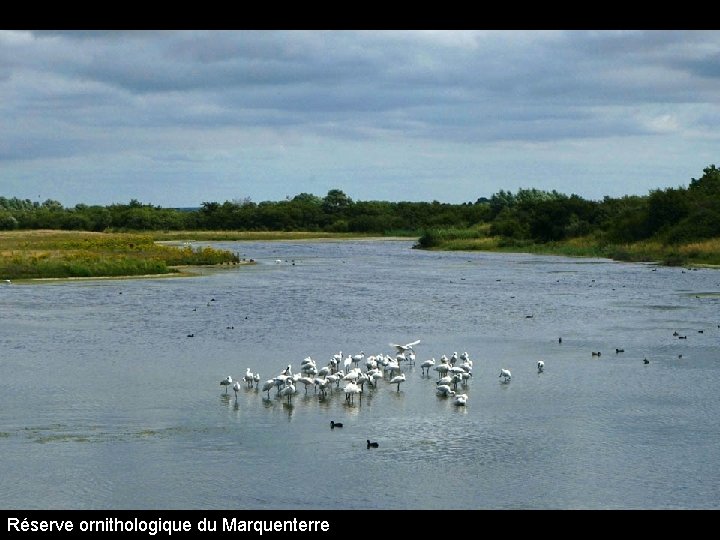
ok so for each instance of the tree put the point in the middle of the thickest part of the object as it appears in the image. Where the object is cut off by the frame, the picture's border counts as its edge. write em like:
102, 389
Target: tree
53, 205
708, 183
7, 221
665, 209
336, 200
307, 198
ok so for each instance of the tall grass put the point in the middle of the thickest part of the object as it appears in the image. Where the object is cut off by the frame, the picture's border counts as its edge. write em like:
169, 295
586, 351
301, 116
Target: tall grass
450, 238
705, 252
55, 254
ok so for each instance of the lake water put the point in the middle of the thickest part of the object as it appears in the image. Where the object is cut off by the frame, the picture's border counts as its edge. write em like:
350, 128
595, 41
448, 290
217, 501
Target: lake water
106, 403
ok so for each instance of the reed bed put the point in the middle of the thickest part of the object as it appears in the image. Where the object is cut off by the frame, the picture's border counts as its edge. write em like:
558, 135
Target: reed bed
64, 254
699, 253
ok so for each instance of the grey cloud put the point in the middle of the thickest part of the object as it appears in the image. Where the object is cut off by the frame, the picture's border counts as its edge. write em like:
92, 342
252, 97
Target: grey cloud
175, 93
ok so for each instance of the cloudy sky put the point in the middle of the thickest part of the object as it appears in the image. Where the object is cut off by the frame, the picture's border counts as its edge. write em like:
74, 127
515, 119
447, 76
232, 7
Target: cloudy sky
176, 118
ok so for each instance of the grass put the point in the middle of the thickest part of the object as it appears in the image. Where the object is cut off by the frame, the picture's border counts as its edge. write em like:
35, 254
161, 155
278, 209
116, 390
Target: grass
64, 254
699, 253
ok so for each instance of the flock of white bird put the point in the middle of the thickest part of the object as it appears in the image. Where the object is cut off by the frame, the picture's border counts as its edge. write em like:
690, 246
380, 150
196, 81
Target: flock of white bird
346, 370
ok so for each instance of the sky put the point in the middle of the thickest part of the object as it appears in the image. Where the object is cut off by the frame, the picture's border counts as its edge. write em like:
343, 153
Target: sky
178, 118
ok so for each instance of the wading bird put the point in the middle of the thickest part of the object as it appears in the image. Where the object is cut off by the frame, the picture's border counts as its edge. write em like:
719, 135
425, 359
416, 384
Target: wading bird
426, 365
397, 380
288, 390
351, 390
444, 390
268, 385
249, 378
460, 400
406, 347
227, 381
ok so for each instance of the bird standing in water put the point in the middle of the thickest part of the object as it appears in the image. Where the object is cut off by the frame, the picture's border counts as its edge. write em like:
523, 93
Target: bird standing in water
227, 381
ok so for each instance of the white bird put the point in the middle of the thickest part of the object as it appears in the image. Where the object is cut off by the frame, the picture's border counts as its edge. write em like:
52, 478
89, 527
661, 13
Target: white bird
461, 399
281, 380
308, 366
324, 371
392, 367
505, 373
406, 347
334, 378
288, 390
322, 384
358, 358
541, 366
268, 385
227, 381
374, 375
307, 381
249, 378
351, 390
397, 380
307, 360
426, 365
362, 379
352, 375
444, 390
442, 369
236, 388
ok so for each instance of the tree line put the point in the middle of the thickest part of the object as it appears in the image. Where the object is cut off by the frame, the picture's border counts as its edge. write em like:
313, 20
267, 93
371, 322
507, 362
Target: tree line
671, 215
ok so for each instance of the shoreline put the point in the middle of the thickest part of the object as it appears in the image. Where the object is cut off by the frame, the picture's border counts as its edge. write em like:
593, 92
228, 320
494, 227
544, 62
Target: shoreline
184, 272
44, 255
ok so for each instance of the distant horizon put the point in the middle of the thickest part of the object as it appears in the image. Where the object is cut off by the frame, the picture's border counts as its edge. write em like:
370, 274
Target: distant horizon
41, 200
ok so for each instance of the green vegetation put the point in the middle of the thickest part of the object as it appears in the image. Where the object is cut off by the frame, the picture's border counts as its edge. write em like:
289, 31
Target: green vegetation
336, 213
674, 226
61, 254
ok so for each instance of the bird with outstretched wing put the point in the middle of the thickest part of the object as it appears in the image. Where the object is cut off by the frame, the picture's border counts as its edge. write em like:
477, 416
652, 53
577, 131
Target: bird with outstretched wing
406, 347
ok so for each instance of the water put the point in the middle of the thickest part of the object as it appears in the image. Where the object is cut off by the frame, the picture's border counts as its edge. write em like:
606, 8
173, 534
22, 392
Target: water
106, 403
